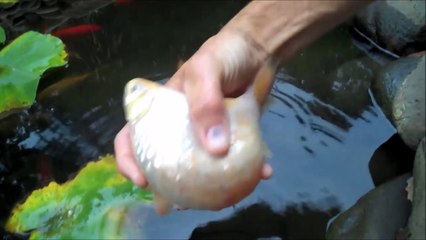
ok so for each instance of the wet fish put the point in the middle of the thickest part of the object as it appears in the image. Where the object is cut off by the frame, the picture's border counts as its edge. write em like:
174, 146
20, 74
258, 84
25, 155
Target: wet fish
179, 171
63, 84
78, 30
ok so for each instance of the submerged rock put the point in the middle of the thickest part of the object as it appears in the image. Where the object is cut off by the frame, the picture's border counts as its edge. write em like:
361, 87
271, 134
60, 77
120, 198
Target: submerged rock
379, 214
352, 79
416, 223
400, 90
394, 25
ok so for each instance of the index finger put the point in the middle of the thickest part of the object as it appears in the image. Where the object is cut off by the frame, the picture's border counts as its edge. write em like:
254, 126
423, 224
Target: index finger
126, 162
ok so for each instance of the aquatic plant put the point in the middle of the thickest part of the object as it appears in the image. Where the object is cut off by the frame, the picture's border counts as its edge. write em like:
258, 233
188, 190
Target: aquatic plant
8, 1
22, 63
82, 208
2, 36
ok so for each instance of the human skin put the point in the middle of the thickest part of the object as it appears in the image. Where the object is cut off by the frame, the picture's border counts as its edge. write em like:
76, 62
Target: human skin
263, 32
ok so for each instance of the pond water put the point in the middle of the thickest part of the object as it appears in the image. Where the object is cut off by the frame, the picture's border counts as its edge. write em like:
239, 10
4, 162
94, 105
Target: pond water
322, 124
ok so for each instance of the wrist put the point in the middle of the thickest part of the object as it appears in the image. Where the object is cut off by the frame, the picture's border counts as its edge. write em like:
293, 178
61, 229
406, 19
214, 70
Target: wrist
282, 28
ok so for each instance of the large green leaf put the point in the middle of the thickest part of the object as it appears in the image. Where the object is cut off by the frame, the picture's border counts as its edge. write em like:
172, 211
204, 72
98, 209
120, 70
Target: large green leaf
80, 208
22, 62
2, 35
8, 1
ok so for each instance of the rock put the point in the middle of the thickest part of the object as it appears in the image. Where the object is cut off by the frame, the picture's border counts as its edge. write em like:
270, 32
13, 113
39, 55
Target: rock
393, 158
416, 223
394, 24
351, 82
409, 189
408, 108
379, 214
400, 90
389, 79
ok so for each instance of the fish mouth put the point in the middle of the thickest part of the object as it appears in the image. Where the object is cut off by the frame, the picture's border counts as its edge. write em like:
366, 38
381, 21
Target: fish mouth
138, 98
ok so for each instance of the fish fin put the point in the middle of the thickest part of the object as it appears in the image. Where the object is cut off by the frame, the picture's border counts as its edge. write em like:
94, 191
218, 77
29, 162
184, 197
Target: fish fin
264, 81
162, 206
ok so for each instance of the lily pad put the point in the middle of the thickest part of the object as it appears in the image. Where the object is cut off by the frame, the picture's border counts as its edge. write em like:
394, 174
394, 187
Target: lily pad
2, 35
22, 62
8, 1
79, 208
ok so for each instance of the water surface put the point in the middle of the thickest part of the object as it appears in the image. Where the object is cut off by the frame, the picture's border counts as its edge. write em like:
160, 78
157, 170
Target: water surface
322, 124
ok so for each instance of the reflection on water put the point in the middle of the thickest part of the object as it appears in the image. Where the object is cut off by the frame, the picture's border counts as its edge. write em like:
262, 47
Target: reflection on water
321, 125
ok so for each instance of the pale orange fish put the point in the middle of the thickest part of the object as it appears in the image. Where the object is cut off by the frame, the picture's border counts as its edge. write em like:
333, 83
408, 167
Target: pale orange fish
179, 171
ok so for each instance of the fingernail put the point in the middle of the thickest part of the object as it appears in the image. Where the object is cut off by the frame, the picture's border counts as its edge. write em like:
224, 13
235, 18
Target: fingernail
216, 137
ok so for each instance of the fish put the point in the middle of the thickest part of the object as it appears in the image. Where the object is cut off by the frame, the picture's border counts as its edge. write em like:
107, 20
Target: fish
78, 30
180, 173
60, 86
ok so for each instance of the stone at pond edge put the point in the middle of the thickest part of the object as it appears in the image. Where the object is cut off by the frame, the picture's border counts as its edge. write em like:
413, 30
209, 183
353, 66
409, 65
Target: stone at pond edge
416, 223
400, 91
379, 214
408, 108
394, 24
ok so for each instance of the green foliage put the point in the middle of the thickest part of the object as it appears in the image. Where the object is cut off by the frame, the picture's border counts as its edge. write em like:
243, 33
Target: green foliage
8, 1
22, 62
2, 35
85, 207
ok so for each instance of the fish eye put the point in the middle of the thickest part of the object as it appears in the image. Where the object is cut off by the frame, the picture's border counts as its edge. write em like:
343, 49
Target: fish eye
135, 88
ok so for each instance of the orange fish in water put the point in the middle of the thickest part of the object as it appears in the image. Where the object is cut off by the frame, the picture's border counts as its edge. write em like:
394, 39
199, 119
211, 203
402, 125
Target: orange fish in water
78, 30
56, 88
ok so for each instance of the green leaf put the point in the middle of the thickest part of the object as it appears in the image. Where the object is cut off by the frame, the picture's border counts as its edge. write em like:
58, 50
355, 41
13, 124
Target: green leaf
8, 1
22, 62
34, 52
81, 208
13, 94
2, 35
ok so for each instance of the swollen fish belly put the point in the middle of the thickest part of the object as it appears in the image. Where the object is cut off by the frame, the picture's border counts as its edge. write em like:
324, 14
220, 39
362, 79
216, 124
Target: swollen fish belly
178, 170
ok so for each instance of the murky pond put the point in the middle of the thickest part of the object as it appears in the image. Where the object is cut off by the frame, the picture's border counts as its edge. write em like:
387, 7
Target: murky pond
322, 124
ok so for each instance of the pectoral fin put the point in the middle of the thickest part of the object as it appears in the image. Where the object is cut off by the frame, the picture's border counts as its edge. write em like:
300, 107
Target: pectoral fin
162, 206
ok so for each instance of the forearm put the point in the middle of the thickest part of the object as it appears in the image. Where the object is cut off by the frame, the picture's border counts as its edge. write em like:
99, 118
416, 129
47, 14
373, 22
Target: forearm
282, 28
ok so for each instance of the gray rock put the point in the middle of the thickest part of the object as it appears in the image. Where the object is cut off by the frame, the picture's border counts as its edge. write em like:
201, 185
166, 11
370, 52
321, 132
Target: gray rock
389, 79
408, 108
400, 90
416, 223
379, 214
393, 24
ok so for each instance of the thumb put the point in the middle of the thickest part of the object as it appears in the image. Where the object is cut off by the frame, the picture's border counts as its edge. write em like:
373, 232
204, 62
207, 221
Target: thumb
207, 111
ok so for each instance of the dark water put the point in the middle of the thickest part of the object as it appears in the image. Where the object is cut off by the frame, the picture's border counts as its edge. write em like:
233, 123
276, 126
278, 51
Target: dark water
322, 125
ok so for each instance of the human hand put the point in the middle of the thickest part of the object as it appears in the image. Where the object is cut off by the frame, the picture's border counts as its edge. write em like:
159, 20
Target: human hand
224, 66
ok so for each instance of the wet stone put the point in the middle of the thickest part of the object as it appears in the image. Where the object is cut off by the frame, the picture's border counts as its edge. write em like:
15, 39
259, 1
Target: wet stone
398, 26
379, 214
408, 109
400, 91
416, 223
351, 82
